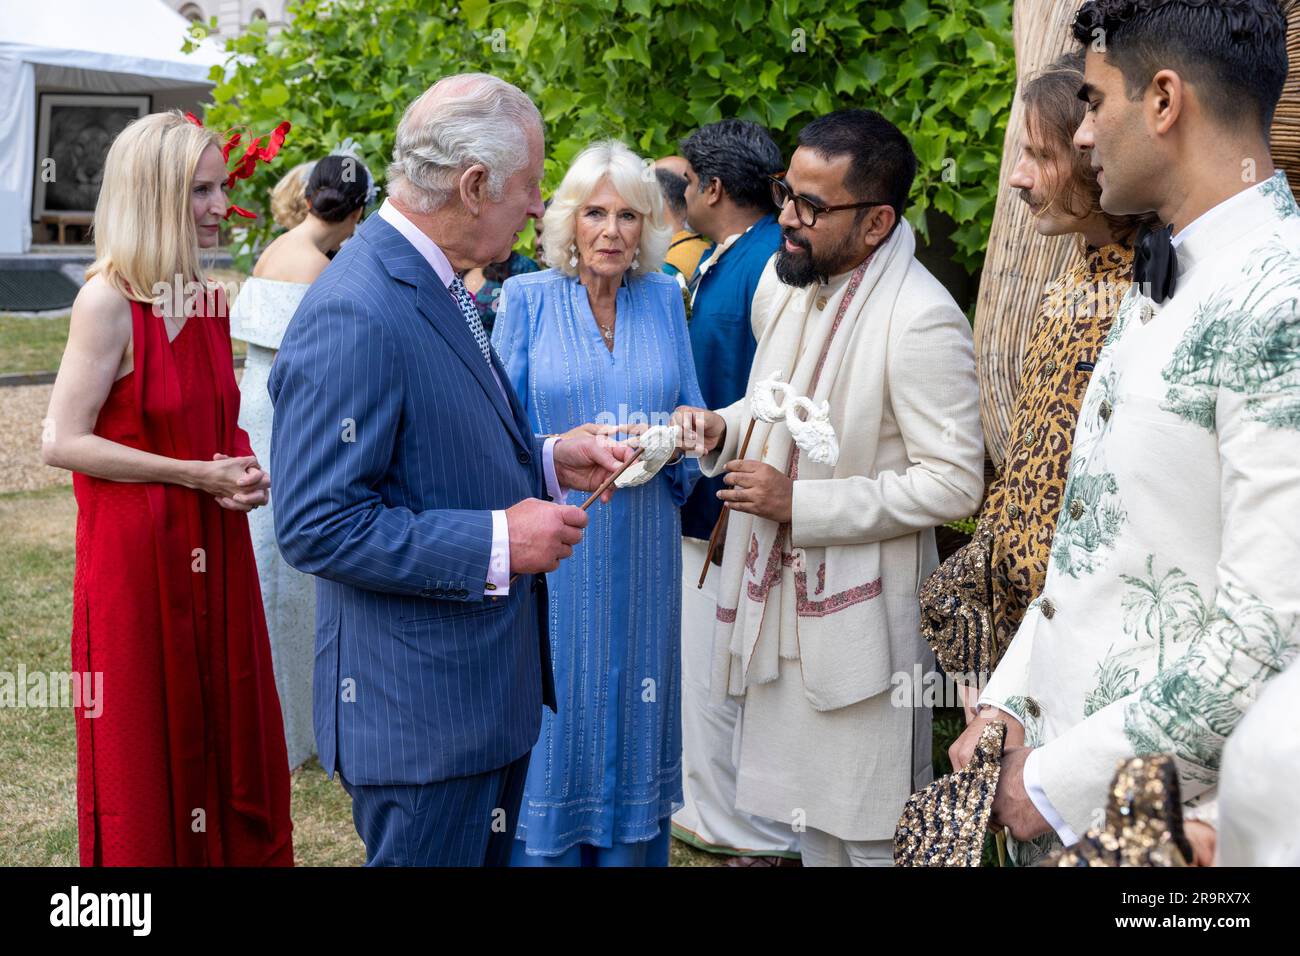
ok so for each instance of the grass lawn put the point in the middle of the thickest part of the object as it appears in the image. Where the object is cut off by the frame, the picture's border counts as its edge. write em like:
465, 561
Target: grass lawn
31, 345
36, 345
38, 824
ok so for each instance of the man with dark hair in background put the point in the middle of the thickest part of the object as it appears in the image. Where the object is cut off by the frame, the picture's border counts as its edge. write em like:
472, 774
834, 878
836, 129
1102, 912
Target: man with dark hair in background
830, 534
1171, 596
728, 198
687, 246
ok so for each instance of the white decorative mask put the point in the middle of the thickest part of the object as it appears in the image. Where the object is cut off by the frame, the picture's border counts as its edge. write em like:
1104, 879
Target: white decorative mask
771, 399
659, 443
810, 427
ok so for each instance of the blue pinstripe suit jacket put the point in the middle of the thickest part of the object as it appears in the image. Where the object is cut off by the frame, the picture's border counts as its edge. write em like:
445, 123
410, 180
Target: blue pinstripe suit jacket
391, 446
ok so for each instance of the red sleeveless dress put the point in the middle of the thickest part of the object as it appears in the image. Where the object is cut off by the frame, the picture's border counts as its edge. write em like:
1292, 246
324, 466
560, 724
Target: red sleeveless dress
185, 764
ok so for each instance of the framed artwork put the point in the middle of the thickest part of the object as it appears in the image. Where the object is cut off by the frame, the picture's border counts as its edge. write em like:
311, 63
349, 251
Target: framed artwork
74, 131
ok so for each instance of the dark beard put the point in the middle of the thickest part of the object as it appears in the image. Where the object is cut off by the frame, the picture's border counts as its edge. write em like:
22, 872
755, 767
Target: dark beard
795, 268
802, 269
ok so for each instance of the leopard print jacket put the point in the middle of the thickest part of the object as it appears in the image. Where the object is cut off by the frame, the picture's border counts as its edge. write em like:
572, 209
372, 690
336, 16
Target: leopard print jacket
972, 605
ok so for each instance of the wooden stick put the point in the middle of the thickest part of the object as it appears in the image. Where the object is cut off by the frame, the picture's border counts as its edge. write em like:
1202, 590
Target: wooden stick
718, 527
722, 517
603, 486
611, 479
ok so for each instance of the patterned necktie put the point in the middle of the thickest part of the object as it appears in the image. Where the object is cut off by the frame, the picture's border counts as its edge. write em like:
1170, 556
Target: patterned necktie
470, 311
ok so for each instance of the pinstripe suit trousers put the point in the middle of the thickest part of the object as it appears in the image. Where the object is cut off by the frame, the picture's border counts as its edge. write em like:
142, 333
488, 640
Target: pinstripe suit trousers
464, 821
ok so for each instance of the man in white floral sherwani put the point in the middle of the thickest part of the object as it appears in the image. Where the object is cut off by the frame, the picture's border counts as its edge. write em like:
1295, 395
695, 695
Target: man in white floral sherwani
1172, 594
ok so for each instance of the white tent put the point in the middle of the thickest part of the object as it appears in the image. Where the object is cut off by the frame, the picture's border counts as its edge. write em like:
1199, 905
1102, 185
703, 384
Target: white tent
83, 46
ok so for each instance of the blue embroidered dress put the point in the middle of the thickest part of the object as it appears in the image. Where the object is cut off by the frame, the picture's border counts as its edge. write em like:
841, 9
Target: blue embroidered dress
606, 769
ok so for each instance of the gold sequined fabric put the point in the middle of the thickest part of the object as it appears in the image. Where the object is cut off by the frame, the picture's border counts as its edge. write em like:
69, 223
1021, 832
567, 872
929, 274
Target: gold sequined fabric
957, 608
944, 824
1014, 531
1144, 821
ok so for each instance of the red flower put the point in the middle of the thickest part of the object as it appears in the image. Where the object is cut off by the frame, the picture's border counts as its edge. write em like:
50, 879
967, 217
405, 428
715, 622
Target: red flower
230, 145
247, 164
275, 141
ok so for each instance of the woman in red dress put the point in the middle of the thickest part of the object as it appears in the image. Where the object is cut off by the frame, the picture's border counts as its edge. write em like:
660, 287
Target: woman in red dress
185, 763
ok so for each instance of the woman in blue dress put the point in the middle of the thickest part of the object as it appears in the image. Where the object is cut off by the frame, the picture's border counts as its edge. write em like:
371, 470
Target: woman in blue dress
600, 341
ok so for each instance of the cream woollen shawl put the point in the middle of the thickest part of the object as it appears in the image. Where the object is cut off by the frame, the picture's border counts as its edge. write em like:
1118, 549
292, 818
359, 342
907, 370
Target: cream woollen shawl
893, 355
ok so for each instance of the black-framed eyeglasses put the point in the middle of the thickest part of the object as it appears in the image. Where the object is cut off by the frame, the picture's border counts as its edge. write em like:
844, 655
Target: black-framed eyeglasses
805, 209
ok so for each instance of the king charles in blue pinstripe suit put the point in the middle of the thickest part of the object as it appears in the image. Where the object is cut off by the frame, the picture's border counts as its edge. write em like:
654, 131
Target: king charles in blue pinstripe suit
407, 479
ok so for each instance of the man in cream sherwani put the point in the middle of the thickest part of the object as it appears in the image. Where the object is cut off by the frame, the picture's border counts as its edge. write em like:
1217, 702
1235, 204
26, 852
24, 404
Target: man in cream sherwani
817, 606
1172, 593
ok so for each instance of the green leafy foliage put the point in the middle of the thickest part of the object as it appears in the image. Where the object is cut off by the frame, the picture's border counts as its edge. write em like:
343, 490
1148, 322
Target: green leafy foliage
647, 72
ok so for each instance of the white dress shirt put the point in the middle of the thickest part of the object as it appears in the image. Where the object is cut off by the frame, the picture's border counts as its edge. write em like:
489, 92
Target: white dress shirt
1200, 222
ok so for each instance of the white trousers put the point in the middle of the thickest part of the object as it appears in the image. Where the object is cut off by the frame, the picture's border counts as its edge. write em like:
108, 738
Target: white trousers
709, 818
822, 849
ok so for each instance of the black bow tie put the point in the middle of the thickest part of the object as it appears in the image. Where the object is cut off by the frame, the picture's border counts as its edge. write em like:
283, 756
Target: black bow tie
1155, 263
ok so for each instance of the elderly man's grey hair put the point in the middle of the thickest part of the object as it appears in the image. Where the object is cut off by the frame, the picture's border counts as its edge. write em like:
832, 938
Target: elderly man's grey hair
461, 120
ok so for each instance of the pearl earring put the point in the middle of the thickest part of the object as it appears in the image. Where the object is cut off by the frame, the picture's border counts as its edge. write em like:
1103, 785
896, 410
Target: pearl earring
573, 255
636, 262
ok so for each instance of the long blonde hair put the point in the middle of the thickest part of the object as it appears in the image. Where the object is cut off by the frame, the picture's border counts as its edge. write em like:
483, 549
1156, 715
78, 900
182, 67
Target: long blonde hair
144, 224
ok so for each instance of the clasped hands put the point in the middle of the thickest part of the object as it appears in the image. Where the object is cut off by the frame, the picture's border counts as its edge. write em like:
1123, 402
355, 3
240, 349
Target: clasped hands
238, 484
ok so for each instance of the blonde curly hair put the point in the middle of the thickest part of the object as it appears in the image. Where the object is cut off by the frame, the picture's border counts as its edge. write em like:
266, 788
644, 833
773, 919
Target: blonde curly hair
289, 197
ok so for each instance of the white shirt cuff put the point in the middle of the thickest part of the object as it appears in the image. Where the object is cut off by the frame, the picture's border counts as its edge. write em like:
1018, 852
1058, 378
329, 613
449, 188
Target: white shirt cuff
1038, 797
553, 487
498, 578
